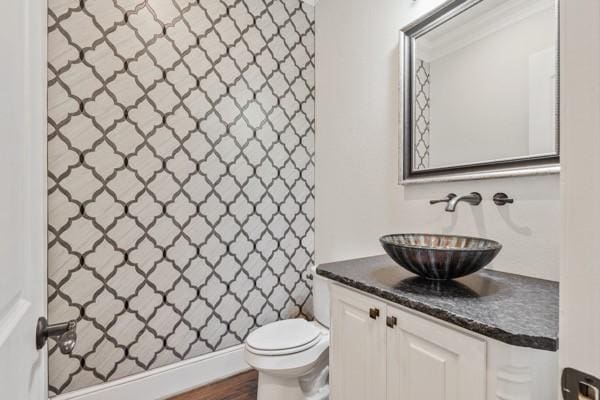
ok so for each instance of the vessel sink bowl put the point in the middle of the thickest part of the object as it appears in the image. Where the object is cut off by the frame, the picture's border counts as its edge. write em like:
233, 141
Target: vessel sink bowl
440, 257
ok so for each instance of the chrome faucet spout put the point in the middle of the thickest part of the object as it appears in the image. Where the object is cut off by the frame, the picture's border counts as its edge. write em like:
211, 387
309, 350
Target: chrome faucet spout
473, 198
446, 199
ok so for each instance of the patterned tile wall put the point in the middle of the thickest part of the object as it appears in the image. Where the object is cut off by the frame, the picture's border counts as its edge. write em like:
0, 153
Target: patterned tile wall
181, 160
422, 116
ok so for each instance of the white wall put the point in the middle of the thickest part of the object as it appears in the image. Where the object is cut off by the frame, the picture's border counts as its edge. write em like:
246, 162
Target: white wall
357, 195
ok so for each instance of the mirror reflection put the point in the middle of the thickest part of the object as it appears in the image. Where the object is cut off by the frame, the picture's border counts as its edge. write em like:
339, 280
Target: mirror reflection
484, 85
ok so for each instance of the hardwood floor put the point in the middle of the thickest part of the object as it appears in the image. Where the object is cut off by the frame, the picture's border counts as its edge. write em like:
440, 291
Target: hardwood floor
238, 387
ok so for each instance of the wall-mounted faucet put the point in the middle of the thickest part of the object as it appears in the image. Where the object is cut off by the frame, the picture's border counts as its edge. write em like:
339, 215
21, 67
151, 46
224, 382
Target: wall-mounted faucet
452, 200
474, 199
446, 199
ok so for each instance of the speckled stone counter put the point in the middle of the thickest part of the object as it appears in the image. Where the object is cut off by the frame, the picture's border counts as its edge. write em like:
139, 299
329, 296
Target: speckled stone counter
513, 309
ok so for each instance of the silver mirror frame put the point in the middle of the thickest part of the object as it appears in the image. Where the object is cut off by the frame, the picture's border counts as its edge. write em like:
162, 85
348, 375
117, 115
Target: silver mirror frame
521, 166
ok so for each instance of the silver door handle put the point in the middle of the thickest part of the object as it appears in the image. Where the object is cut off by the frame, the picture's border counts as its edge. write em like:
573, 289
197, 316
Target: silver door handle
65, 331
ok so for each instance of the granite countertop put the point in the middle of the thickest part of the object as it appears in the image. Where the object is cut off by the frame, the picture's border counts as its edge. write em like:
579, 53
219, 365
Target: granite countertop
513, 309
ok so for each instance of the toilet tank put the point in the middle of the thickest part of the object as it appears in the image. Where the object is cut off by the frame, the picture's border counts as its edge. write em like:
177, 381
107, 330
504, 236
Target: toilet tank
320, 297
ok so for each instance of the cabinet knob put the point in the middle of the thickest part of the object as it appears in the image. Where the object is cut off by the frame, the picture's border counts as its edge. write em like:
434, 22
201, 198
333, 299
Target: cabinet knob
391, 322
374, 313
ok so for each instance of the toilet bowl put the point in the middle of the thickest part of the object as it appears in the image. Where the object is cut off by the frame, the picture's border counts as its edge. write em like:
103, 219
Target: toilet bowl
292, 356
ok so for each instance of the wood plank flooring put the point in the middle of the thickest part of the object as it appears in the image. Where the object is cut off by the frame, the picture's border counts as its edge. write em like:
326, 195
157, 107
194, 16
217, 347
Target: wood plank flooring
238, 387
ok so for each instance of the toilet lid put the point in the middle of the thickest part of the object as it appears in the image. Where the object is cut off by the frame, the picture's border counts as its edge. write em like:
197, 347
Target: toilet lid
283, 335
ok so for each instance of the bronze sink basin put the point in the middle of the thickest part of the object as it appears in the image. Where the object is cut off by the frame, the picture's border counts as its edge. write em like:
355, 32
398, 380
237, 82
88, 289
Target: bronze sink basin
440, 257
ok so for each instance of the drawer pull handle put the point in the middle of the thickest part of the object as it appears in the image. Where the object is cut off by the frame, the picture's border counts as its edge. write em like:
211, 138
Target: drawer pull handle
391, 322
374, 313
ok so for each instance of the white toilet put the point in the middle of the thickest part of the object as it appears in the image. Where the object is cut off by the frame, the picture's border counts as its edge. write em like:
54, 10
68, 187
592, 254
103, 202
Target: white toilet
292, 356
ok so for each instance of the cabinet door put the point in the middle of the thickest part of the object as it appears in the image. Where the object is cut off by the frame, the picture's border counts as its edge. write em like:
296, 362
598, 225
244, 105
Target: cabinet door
358, 357
429, 361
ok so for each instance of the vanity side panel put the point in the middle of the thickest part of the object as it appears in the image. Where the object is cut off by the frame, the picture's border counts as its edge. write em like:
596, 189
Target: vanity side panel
519, 373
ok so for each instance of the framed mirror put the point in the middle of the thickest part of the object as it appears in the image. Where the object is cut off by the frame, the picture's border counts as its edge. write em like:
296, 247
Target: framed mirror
479, 91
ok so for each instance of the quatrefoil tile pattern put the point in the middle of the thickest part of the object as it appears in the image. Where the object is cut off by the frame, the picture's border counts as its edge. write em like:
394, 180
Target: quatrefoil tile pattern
422, 114
180, 177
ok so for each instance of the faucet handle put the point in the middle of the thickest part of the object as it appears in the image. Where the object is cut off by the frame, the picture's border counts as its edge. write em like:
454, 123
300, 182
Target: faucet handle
446, 199
501, 199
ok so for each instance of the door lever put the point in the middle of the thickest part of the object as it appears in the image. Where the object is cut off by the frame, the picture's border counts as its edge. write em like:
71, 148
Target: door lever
577, 385
65, 331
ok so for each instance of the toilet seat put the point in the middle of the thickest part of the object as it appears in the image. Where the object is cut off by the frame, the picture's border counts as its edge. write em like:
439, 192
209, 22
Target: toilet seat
283, 338
284, 352
290, 364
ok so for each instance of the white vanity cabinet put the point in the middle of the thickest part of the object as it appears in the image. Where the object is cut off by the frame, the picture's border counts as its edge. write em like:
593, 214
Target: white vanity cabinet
383, 351
358, 341
428, 361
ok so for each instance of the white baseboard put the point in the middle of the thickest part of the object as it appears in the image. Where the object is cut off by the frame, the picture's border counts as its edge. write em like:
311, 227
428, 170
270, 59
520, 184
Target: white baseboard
163, 382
